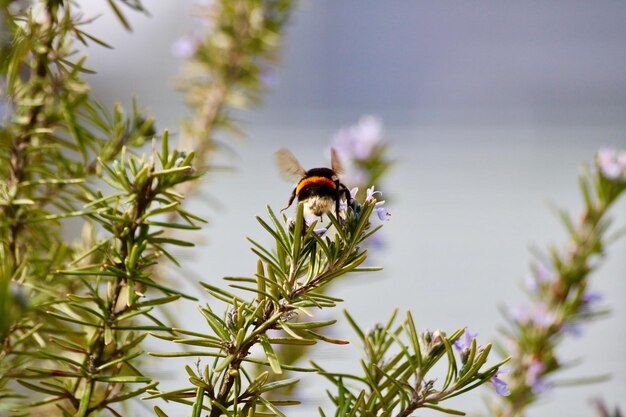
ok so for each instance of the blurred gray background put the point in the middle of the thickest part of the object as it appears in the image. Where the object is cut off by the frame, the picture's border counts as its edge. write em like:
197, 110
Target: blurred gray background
490, 108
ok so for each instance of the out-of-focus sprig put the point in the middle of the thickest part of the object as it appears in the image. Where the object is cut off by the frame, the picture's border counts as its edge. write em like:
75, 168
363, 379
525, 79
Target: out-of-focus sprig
50, 138
226, 64
93, 366
397, 369
286, 286
602, 410
362, 150
561, 298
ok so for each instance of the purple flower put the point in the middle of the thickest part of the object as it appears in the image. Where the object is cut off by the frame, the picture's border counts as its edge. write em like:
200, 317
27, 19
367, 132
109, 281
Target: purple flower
572, 328
356, 144
371, 193
185, 46
358, 141
591, 297
375, 241
611, 163
343, 204
540, 275
534, 377
382, 212
542, 316
465, 341
500, 385
520, 313
320, 231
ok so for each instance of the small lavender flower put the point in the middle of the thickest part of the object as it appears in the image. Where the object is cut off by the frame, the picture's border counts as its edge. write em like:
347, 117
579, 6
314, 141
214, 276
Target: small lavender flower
359, 141
185, 46
320, 231
500, 386
382, 212
357, 144
612, 164
438, 336
534, 377
343, 204
540, 275
572, 328
543, 316
465, 341
371, 193
591, 297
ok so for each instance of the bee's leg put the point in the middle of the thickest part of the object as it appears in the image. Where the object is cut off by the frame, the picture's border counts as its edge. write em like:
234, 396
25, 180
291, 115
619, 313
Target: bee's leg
343, 191
346, 192
293, 196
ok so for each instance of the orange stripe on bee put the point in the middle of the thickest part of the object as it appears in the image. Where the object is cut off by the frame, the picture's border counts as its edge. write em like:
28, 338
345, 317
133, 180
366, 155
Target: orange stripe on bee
314, 180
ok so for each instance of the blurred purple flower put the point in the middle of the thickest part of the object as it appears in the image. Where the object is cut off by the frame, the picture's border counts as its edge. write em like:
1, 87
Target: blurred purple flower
375, 241
572, 328
611, 163
534, 377
540, 316
185, 46
540, 274
465, 341
520, 313
358, 141
591, 297
500, 385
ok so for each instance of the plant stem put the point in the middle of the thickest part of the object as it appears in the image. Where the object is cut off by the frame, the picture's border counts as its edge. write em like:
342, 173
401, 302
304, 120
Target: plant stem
96, 355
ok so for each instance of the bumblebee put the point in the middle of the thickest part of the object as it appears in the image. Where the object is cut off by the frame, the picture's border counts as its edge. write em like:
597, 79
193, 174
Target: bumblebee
318, 188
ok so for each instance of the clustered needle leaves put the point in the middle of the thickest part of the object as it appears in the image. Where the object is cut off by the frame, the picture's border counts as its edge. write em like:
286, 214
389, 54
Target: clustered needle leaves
559, 289
100, 331
397, 368
76, 339
284, 288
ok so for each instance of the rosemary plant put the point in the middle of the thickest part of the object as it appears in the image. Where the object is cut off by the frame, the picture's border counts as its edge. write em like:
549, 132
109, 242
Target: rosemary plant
396, 378
225, 65
68, 341
285, 287
559, 288
78, 337
73, 316
288, 285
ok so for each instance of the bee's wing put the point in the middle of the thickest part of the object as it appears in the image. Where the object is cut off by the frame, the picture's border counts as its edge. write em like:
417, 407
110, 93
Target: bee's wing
289, 167
335, 162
